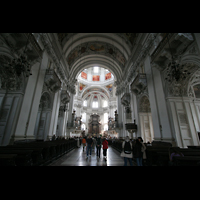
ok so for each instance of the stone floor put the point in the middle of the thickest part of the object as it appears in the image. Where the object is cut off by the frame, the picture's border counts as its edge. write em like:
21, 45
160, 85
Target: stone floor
78, 158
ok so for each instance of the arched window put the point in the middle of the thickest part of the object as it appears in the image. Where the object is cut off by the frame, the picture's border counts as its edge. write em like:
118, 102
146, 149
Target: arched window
96, 69
95, 104
105, 117
105, 127
105, 103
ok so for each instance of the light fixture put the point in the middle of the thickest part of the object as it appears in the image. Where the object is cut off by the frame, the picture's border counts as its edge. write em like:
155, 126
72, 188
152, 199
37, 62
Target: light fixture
175, 71
21, 64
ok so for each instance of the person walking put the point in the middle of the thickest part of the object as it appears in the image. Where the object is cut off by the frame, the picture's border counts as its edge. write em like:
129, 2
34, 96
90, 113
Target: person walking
127, 151
89, 145
105, 147
84, 143
98, 143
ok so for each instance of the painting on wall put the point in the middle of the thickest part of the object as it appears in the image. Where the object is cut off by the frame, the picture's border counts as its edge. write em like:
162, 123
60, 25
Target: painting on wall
109, 87
96, 78
84, 75
108, 76
81, 86
120, 57
96, 47
72, 57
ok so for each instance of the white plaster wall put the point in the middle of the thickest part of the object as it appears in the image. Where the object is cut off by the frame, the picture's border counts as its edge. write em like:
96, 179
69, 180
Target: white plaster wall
185, 130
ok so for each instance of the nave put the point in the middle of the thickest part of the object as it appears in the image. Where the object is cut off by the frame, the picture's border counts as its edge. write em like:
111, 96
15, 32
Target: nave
78, 158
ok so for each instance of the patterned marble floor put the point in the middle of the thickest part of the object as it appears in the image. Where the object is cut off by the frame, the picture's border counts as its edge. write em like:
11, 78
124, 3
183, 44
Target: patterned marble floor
78, 158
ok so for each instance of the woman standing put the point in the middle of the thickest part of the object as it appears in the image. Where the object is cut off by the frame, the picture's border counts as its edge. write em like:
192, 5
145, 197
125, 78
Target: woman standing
143, 148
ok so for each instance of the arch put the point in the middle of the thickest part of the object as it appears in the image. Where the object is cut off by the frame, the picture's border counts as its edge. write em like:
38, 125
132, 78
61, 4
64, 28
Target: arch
110, 38
99, 60
45, 101
105, 93
194, 81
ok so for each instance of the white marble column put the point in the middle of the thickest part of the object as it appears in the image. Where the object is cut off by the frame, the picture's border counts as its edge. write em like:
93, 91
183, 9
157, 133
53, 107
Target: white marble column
152, 99
25, 111
119, 112
162, 107
71, 104
36, 97
54, 115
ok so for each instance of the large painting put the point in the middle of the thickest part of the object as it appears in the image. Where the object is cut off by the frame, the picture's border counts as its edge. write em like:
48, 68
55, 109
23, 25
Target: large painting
96, 78
107, 76
84, 75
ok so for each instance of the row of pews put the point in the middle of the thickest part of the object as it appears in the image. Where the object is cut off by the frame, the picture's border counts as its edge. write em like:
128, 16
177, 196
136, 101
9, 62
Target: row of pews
35, 153
158, 154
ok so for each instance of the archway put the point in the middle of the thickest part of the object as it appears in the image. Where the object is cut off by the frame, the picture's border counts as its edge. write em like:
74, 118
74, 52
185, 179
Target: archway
145, 117
43, 117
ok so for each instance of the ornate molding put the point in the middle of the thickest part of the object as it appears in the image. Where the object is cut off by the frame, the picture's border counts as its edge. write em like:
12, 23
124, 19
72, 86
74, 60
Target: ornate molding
9, 79
89, 48
180, 88
52, 81
50, 50
139, 84
65, 98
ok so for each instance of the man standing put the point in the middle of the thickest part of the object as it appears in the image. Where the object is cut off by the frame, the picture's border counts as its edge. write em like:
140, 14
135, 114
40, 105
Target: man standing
89, 145
99, 142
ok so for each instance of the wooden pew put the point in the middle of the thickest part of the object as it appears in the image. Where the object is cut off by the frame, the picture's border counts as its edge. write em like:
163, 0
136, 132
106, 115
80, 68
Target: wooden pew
23, 156
117, 144
36, 155
36, 152
158, 155
163, 156
7, 159
187, 161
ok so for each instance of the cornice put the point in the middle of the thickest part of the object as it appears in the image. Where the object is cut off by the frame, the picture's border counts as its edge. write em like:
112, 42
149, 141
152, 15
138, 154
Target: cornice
51, 52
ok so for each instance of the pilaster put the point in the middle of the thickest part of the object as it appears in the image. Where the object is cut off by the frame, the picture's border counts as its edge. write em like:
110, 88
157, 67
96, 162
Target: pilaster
152, 99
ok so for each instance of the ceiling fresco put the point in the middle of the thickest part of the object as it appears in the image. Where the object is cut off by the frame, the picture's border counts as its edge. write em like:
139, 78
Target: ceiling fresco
96, 48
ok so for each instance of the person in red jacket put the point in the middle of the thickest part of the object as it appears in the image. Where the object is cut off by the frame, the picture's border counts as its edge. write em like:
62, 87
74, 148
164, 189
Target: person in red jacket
105, 147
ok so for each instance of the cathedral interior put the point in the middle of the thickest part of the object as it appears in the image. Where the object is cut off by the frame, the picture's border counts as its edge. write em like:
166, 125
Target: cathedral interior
65, 85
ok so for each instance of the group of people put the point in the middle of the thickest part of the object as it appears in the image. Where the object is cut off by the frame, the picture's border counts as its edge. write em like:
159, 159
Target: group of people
128, 149
99, 142
137, 148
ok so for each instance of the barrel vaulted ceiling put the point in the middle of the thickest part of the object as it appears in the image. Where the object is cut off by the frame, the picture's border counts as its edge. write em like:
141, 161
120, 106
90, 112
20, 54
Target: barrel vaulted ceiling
108, 50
